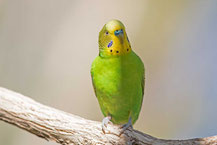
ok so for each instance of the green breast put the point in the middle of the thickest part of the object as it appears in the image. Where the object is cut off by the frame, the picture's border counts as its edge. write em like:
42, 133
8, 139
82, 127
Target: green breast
118, 83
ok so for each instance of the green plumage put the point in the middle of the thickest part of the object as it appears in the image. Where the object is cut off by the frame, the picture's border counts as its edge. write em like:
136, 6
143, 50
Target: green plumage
118, 81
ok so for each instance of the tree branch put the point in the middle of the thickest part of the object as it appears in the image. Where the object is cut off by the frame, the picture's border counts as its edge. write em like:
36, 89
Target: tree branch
65, 128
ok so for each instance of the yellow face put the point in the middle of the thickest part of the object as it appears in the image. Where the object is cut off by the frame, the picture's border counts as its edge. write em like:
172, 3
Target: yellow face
113, 40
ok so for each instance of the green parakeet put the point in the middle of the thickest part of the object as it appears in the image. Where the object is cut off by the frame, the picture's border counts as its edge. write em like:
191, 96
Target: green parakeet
117, 76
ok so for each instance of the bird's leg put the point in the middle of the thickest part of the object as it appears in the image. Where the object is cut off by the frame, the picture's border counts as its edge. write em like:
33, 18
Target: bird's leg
127, 125
105, 122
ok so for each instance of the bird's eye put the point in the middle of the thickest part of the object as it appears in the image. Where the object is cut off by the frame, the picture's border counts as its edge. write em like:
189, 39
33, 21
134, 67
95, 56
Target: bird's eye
106, 32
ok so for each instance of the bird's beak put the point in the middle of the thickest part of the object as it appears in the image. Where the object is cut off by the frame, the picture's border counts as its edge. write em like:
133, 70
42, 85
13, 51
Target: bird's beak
120, 35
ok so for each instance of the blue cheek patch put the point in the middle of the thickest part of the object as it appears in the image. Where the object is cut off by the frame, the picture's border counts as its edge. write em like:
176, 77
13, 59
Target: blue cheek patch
110, 43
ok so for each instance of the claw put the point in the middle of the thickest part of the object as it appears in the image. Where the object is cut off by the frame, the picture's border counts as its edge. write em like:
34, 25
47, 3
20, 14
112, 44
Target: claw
126, 126
105, 122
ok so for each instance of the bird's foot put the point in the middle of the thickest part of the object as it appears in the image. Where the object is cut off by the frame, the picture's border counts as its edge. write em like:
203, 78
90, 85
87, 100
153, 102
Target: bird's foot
105, 122
126, 126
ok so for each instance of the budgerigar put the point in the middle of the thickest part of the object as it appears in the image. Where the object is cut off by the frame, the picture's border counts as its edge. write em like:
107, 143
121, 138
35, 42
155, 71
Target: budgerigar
117, 76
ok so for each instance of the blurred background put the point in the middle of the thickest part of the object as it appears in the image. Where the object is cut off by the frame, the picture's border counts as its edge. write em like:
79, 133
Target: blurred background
47, 47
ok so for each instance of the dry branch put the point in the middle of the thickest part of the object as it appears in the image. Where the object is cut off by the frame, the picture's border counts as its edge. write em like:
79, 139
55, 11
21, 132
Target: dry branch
65, 128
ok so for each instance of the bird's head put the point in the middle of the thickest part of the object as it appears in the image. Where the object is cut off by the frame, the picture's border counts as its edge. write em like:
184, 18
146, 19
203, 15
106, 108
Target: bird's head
113, 40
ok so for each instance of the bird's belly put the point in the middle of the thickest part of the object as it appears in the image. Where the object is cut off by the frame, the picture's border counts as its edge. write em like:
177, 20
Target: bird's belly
120, 96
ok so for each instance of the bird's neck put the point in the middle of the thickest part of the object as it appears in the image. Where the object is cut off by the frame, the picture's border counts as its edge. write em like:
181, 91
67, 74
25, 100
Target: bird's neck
116, 49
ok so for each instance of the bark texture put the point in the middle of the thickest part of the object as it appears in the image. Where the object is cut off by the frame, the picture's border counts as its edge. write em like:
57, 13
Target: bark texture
64, 128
